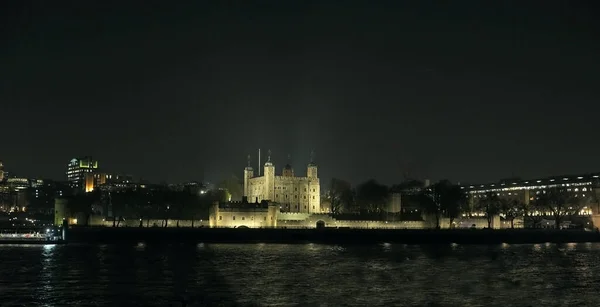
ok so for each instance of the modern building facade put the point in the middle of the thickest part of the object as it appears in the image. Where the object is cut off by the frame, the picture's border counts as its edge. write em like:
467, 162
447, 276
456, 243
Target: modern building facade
584, 186
294, 194
80, 173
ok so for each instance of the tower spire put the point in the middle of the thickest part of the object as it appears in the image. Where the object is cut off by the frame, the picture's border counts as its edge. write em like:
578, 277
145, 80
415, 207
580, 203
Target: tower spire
269, 156
289, 159
312, 156
249, 161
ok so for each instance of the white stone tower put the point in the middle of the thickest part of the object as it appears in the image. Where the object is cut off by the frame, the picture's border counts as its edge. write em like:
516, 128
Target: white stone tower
269, 186
248, 173
314, 192
311, 172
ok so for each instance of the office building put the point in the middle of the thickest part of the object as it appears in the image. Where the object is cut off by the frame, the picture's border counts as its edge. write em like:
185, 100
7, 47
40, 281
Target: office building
80, 173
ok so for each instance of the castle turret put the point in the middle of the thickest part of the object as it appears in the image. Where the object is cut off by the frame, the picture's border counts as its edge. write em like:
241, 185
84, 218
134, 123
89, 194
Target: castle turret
269, 192
314, 193
248, 173
311, 172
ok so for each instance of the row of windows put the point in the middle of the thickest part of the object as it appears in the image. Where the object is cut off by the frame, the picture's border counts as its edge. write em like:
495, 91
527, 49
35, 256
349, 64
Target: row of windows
244, 218
532, 187
295, 196
538, 192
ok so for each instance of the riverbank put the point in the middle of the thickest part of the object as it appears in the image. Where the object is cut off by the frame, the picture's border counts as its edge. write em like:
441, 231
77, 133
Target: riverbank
326, 236
29, 242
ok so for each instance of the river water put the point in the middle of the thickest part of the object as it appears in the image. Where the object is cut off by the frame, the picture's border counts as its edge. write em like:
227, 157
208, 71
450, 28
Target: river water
300, 275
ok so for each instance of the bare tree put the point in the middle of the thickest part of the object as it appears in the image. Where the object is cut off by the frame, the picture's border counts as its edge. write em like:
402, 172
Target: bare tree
490, 205
560, 203
511, 208
339, 195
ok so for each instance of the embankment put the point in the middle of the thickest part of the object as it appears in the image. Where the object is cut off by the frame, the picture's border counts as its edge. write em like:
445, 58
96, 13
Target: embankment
327, 236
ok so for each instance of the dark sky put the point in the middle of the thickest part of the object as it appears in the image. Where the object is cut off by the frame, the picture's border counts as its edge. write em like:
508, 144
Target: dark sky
172, 90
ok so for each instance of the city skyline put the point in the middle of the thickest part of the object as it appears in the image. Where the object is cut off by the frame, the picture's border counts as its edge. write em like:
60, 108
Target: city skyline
467, 92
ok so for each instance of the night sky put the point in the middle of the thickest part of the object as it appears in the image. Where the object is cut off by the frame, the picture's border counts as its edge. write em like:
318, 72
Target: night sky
472, 91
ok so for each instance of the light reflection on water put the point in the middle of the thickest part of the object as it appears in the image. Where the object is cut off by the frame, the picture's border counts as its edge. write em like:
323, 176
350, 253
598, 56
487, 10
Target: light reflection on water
300, 275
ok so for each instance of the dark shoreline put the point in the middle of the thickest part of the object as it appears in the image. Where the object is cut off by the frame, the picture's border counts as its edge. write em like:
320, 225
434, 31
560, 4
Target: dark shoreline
29, 242
110, 235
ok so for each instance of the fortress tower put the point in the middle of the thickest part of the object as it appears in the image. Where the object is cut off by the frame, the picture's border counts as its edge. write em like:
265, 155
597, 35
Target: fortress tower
293, 194
248, 173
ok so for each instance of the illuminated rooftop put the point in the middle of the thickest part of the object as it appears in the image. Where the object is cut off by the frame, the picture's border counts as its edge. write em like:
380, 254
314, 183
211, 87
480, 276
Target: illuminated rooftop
582, 179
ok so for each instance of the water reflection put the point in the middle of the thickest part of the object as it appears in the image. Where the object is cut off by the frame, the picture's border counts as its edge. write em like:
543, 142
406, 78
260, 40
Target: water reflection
303, 274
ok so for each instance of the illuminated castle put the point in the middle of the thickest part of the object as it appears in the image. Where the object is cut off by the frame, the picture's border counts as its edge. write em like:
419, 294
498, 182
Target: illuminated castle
293, 194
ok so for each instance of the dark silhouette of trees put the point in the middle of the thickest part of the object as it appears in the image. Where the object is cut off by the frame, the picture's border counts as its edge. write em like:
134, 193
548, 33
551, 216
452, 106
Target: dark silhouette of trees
234, 186
410, 186
454, 201
340, 196
443, 199
430, 202
560, 203
82, 204
511, 208
490, 206
533, 213
371, 196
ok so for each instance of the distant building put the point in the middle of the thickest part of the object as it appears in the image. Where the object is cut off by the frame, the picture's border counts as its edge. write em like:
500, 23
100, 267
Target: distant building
17, 184
294, 194
528, 190
1, 171
80, 173
110, 182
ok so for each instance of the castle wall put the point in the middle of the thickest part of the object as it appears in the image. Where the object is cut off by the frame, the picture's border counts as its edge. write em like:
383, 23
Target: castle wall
100, 221
243, 216
270, 217
248, 173
254, 219
269, 183
395, 203
256, 189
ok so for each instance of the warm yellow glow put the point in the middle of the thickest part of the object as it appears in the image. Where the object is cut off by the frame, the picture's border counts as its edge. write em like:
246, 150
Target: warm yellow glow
89, 183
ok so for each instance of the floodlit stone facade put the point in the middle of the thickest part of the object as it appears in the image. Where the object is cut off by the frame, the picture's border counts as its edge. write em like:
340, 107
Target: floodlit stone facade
291, 193
268, 215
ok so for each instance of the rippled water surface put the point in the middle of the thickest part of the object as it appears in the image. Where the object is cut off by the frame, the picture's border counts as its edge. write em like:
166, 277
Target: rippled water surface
300, 275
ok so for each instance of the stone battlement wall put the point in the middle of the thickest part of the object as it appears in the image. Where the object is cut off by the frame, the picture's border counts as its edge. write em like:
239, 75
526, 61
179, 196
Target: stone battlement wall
100, 221
293, 220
